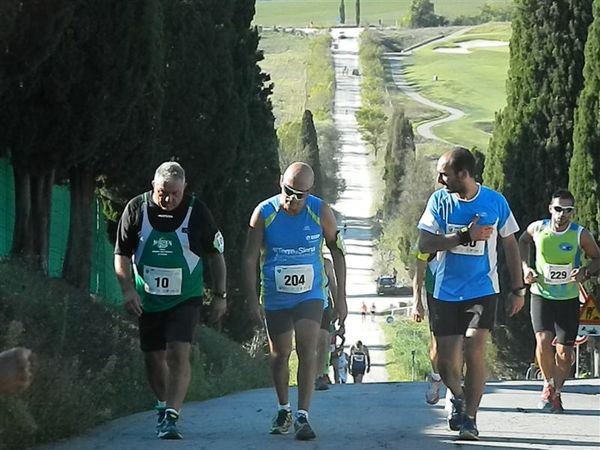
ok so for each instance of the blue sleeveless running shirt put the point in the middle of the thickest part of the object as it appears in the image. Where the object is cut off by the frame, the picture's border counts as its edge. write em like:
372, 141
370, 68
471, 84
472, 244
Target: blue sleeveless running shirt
292, 269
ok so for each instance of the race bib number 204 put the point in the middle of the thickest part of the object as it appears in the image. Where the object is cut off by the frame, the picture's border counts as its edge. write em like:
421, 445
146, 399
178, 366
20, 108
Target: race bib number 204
294, 279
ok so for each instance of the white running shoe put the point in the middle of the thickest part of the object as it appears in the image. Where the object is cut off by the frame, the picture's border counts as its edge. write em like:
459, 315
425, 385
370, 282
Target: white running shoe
432, 395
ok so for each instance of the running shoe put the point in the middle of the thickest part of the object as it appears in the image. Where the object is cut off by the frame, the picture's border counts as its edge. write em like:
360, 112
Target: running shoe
321, 384
456, 417
468, 430
432, 394
282, 422
160, 416
557, 406
547, 395
304, 431
168, 429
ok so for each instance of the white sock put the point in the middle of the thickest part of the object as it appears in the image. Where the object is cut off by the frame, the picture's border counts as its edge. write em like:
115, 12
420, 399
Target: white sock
302, 412
287, 407
435, 376
160, 405
549, 382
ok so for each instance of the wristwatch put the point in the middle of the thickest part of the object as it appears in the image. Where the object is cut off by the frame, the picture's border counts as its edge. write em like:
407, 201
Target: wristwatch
520, 291
219, 294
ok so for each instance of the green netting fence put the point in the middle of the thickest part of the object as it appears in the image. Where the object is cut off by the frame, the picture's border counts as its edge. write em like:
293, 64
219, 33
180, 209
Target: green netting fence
103, 282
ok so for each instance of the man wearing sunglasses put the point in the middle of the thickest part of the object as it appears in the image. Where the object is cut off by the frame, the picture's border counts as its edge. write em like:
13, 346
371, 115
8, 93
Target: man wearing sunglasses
560, 246
287, 232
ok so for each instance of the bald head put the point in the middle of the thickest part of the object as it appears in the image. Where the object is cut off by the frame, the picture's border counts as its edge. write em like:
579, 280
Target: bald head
299, 176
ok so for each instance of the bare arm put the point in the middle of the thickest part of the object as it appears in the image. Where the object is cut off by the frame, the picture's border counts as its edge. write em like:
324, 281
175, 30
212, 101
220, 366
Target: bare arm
218, 271
250, 257
331, 278
330, 233
513, 262
592, 252
418, 279
131, 299
525, 242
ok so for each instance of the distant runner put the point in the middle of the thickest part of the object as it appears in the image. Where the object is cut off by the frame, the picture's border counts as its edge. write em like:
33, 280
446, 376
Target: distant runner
360, 361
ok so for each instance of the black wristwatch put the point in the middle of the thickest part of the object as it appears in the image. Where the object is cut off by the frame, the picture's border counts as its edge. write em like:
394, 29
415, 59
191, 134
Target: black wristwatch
219, 294
520, 291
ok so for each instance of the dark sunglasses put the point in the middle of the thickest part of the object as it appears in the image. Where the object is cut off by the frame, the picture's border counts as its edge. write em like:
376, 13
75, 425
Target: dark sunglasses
567, 209
292, 193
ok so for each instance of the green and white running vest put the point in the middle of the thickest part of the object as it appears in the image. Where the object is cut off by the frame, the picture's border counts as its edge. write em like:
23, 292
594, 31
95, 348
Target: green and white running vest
556, 255
167, 272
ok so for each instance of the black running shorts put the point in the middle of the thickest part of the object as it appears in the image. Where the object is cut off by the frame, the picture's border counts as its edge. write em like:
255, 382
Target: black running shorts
454, 318
280, 321
173, 325
560, 317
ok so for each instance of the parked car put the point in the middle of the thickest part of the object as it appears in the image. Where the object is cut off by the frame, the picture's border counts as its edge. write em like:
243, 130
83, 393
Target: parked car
386, 284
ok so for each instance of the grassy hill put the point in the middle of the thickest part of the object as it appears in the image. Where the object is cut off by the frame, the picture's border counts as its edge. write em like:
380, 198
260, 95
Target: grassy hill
473, 82
324, 13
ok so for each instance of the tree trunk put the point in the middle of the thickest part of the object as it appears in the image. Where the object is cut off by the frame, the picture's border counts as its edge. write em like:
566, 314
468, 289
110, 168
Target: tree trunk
33, 201
22, 242
78, 260
41, 205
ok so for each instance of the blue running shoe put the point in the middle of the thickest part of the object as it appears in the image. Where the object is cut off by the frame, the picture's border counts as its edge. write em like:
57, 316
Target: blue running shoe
168, 429
456, 417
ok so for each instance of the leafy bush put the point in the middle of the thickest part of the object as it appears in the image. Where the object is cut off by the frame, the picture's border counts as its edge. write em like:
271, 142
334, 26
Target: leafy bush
88, 367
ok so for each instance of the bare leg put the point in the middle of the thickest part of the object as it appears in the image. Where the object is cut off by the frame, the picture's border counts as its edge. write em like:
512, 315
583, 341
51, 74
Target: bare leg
450, 362
157, 372
564, 361
544, 354
476, 370
281, 347
179, 373
322, 351
433, 353
307, 336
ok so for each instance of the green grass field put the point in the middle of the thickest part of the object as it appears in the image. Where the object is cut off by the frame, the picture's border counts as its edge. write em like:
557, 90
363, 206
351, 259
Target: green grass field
285, 60
473, 82
324, 13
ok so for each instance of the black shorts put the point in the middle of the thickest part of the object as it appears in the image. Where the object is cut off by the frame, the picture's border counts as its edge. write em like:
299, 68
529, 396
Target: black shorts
326, 319
173, 325
280, 321
454, 318
560, 317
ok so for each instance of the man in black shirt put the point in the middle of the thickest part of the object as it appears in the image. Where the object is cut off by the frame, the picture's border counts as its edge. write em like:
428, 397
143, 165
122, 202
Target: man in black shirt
165, 235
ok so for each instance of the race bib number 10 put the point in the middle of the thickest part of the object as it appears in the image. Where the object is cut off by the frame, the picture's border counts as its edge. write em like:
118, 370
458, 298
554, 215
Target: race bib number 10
159, 281
557, 274
473, 248
294, 279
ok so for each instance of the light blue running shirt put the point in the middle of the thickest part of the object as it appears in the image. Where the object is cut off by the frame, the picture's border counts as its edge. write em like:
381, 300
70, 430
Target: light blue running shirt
467, 271
292, 269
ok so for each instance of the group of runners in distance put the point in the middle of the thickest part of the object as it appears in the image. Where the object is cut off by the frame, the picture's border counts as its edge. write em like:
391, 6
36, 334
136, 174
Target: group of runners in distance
167, 236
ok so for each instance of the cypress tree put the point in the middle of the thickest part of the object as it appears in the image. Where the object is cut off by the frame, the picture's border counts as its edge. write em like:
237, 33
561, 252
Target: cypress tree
342, 12
357, 11
584, 171
310, 146
400, 147
532, 142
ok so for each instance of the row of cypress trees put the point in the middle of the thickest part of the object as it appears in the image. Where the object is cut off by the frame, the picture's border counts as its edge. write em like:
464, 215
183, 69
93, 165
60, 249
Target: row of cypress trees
97, 94
547, 137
